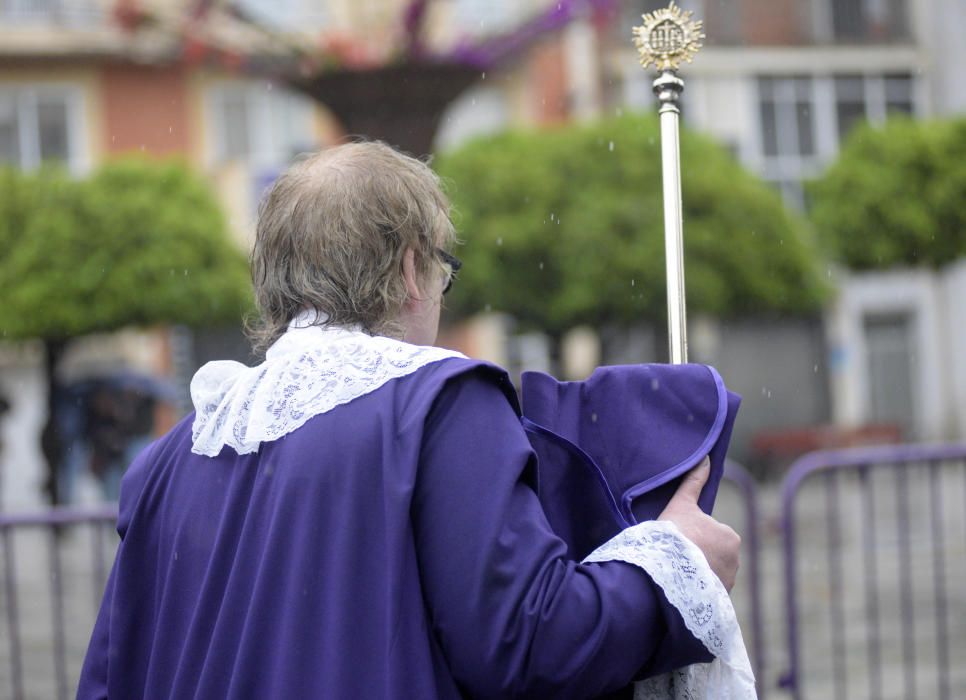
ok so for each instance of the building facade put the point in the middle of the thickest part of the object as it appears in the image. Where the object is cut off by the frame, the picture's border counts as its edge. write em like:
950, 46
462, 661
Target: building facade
780, 83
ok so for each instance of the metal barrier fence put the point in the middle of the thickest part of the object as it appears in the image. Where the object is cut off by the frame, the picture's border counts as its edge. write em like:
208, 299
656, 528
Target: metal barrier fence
53, 527
747, 490
870, 612
872, 539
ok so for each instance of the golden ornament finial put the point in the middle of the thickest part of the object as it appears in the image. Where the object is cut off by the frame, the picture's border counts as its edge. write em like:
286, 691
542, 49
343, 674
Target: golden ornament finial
668, 37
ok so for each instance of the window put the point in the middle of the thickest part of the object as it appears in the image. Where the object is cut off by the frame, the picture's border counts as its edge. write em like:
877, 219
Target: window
235, 116
849, 103
260, 123
805, 119
37, 125
898, 94
868, 20
889, 348
859, 98
43, 12
786, 111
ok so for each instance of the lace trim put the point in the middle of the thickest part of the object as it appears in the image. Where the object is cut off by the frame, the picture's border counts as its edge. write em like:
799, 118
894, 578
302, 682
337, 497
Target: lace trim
677, 565
308, 371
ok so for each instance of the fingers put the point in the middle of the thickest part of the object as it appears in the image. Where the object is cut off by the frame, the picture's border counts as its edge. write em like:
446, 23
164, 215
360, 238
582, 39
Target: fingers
693, 482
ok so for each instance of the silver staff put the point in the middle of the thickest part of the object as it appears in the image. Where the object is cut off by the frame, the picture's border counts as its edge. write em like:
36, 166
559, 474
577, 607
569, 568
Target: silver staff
667, 38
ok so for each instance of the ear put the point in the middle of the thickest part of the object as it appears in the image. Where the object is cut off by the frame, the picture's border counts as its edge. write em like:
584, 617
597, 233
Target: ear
410, 276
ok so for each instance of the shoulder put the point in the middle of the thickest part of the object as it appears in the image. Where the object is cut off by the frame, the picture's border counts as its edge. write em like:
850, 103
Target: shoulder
463, 378
145, 464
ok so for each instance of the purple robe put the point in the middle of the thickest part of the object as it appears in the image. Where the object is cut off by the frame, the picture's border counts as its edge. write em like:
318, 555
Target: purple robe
393, 547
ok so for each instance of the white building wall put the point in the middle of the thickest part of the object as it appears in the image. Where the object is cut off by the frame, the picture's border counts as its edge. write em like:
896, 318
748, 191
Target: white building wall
480, 111
946, 38
917, 293
724, 106
953, 341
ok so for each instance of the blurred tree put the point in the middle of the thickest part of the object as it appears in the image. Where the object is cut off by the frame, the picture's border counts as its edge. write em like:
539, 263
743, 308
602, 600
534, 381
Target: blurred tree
136, 244
565, 227
895, 196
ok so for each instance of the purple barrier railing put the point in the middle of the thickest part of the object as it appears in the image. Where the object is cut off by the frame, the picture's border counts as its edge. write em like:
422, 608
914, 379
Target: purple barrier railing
54, 522
748, 489
834, 466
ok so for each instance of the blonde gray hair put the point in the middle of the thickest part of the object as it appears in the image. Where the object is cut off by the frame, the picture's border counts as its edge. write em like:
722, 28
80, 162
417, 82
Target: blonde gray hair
331, 236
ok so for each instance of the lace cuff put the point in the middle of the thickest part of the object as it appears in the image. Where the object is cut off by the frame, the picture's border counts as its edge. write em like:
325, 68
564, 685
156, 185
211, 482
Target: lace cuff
680, 569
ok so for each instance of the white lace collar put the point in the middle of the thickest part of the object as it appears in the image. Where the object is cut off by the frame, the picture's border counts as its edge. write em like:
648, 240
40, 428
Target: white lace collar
308, 371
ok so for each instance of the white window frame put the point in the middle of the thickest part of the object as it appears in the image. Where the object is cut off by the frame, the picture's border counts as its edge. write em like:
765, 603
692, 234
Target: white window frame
267, 147
789, 166
25, 98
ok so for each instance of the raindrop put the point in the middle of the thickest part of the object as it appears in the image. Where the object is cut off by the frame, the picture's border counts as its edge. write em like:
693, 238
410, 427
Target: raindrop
176, 555
488, 308
541, 264
690, 418
593, 417
185, 273
611, 147
655, 384
632, 282
170, 129
499, 241
815, 369
483, 77
619, 112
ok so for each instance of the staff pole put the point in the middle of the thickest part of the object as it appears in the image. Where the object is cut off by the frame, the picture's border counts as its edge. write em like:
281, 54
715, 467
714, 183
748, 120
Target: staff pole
667, 38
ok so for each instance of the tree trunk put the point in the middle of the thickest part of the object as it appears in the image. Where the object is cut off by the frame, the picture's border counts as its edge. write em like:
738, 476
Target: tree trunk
51, 441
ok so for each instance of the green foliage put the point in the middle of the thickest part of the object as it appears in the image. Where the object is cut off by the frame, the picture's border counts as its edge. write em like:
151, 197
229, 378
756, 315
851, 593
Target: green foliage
566, 227
895, 196
137, 243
